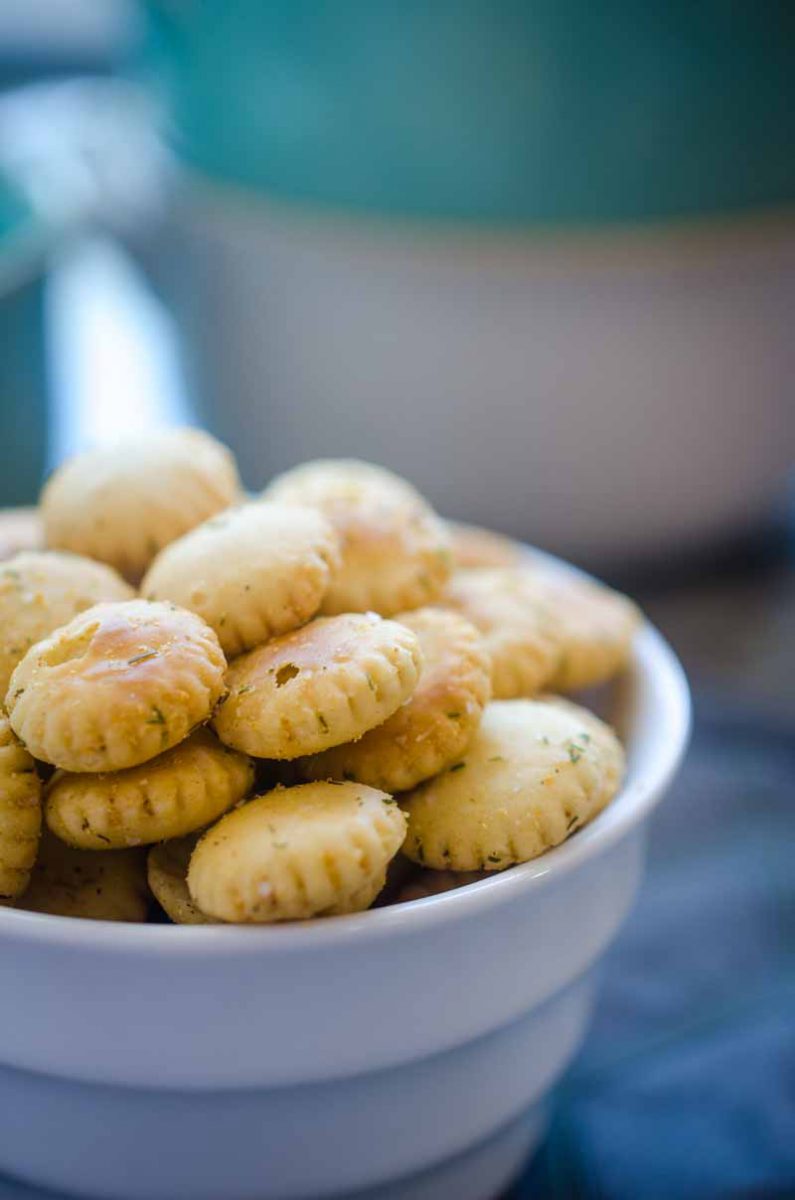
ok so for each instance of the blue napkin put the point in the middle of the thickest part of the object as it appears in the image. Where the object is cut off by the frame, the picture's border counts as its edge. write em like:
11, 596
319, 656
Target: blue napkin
685, 1089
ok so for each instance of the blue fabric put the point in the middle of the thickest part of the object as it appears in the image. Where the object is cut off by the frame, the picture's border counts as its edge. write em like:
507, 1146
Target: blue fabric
686, 1088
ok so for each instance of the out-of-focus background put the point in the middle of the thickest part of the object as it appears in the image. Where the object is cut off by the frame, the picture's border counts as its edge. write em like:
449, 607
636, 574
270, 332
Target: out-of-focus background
540, 258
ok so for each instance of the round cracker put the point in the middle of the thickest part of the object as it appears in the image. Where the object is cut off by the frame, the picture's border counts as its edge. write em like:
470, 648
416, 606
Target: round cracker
167, 872
517, 622
251, 573
171, 795
124, 503
320, 686
595, 626
536, 771
435, 725
40, 591
20, 813
118, 685
81, 883
474, 546
395, 550
317, 849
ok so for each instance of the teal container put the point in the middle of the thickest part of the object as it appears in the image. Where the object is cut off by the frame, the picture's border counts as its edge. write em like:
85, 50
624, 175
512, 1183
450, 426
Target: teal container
517, 111
23, 393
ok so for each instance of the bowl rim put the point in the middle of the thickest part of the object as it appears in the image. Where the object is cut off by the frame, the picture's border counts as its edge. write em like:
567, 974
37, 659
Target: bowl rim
653, 661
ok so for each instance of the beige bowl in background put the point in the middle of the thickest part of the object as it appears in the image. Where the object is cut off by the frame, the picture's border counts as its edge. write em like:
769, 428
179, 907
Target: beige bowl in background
615, 396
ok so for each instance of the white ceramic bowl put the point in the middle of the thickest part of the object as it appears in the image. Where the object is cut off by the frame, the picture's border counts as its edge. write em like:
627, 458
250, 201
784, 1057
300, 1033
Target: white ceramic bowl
404, 1052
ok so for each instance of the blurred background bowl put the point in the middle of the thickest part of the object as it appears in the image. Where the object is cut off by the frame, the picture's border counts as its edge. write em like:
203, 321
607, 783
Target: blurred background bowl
616, 397
537, 257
